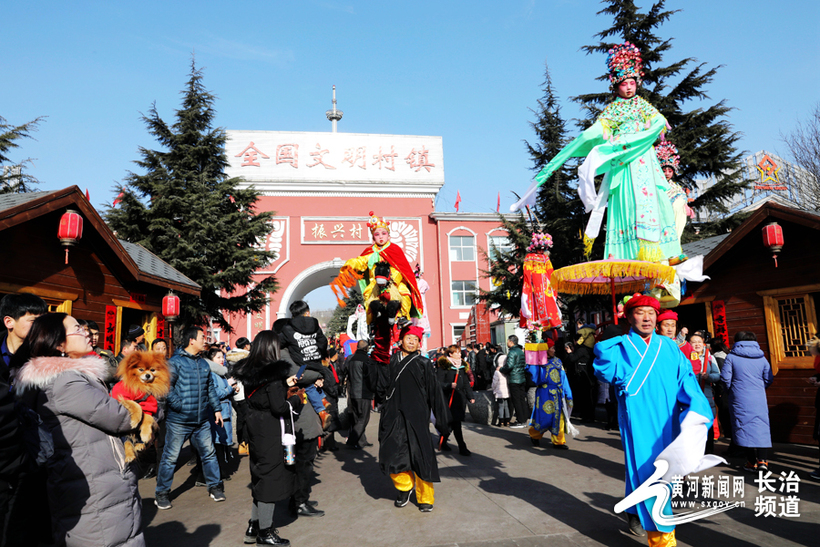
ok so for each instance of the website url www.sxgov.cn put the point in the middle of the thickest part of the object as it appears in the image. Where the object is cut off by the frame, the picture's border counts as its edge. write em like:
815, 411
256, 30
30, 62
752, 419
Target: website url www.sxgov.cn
693, 504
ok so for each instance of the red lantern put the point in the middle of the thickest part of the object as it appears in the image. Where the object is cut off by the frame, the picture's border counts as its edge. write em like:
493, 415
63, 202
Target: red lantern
70, 230
773, 239
170, 306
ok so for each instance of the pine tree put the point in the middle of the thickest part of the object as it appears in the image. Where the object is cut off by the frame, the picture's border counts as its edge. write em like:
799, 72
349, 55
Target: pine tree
338, 322
704, 137
507, 266
558, 206
188, 212
12, 178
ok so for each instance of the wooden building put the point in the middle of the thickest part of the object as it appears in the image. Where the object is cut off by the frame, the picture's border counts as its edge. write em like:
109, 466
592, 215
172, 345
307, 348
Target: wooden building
778, 304
103, 279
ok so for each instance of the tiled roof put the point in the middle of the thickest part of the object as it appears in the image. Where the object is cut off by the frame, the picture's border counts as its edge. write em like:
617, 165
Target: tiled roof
7, 201
704, 246
151, 264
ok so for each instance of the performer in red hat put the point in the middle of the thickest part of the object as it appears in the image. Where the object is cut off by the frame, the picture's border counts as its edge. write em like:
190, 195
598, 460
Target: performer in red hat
410, 391
664, 416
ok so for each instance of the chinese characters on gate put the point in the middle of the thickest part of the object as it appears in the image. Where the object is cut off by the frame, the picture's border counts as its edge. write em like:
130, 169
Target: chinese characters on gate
348, 231
359, 157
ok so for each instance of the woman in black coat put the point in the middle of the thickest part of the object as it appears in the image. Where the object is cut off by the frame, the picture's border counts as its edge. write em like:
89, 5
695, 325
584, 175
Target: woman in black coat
266, 382
452, 375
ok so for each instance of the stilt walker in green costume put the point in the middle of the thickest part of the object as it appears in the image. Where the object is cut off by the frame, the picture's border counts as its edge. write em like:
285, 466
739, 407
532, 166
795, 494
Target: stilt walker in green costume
619, 145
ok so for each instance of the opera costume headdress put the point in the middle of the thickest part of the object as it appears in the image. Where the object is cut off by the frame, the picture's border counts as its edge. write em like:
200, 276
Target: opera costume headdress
624, 61
375, 222
668, 155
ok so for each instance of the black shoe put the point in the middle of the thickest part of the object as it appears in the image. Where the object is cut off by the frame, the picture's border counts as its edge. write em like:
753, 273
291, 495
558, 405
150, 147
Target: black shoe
445, 447
365, 444
464, 451
425, 508
252, 531
560, 446
151, 473
402, 498
270, 536
162, 500
635, 527
306, 510
535, 442
312, 503
217, 493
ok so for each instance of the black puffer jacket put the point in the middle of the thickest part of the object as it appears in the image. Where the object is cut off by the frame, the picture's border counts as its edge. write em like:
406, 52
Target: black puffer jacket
303, 338
271, 479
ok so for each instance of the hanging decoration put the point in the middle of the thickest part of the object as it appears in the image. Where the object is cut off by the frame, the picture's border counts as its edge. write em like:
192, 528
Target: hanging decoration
773, 239
170, 306
70, 231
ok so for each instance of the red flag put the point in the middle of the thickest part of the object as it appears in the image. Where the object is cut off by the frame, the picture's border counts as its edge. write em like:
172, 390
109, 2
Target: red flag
458, 199
118, 199
87, 195
498, 205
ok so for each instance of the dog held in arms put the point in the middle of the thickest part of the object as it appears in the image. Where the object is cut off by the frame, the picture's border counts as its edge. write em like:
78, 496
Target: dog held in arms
144, 377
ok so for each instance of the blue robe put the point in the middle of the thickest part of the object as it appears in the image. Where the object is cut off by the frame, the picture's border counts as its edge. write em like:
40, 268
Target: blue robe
552, 388
655, 388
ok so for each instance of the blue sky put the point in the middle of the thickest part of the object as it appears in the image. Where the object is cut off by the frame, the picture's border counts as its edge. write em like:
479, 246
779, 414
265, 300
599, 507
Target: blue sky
468, 71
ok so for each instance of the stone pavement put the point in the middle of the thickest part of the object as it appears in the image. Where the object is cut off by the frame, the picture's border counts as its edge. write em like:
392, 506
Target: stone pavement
507, 493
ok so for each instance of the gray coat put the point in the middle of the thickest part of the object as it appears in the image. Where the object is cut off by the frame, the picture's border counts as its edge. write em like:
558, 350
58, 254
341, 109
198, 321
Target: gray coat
92, 492
746, 374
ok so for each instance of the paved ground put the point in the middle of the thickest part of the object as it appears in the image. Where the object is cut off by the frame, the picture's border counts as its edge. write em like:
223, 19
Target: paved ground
507, 493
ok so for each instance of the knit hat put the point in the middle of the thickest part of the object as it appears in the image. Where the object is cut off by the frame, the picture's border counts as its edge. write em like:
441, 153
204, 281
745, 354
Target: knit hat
639, 300
668, 155
134, 332
376, 222
624, 61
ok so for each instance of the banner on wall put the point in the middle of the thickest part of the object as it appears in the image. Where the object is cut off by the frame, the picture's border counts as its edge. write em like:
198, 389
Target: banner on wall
719, 320
110, 328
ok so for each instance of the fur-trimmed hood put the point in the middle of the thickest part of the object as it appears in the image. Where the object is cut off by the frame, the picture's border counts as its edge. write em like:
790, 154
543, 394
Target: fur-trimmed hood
41, 371
251, 374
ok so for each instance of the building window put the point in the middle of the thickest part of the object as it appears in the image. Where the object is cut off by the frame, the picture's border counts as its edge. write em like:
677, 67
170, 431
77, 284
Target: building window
791, 320
458, 330
794, 326
462, 248
463, 293
497, 245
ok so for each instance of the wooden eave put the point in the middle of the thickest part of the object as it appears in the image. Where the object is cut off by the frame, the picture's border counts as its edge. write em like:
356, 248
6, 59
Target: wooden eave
73, 197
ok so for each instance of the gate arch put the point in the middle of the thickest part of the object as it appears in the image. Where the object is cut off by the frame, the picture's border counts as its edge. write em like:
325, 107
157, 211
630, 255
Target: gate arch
314, 277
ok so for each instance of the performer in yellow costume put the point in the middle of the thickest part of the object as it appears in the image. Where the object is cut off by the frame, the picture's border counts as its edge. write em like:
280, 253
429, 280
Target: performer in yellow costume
387, 282
380, 284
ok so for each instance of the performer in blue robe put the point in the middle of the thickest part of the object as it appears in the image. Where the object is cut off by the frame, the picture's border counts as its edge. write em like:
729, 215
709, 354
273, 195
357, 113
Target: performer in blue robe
552, 388
658, 399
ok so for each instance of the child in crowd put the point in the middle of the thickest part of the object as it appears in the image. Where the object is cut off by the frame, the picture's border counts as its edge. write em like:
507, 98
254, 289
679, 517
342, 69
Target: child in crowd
501, 393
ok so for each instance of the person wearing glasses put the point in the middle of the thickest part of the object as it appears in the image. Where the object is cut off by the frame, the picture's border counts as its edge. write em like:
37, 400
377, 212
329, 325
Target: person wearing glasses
92, 492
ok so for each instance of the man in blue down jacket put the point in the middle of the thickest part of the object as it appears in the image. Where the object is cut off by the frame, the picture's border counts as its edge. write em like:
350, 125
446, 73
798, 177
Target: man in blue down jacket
191, 400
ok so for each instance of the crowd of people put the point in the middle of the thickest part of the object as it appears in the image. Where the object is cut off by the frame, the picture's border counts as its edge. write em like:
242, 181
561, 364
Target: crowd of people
286, 384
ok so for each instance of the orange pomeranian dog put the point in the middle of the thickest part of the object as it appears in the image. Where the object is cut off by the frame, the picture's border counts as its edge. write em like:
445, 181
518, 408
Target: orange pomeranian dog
144, 377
